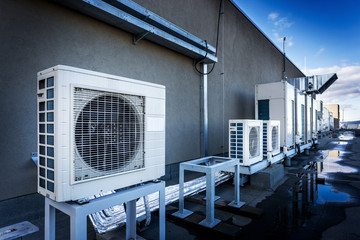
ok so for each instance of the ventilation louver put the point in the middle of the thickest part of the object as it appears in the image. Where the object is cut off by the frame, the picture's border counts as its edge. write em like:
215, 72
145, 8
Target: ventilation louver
274, 137
94, 132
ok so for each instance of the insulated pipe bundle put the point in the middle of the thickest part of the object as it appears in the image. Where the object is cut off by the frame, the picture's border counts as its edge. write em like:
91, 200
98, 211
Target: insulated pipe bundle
114, 217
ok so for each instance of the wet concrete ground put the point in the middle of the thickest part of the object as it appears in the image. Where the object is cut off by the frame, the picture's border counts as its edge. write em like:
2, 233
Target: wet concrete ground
306, 208
320, 201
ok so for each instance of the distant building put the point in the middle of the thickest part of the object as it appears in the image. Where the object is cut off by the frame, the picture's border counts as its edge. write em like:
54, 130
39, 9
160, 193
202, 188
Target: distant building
335, 110
351, 125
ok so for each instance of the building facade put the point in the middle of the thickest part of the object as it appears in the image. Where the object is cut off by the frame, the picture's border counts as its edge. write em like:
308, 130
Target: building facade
40, 34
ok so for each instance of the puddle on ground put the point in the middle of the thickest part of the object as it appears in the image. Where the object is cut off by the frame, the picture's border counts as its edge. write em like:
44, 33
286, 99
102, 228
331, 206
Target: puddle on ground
327, 194
331, 164
347, 136
340, 143
307, 193
344, 138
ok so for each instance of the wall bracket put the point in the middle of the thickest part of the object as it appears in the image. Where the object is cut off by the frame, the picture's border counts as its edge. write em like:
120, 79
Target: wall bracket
139, 36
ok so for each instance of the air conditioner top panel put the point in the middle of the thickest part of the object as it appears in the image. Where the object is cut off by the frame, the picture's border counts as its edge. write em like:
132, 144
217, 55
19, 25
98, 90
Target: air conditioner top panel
300, 98
275, 90
245, 120
98, 74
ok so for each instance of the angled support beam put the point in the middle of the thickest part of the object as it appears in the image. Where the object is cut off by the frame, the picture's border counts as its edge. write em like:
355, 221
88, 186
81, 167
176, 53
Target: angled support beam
140, 36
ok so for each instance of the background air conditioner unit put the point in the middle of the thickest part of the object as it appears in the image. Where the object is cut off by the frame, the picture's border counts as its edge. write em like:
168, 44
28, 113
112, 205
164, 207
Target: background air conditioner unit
308, 135
271, 137
276, 101
301, 116
97, 132
245, 141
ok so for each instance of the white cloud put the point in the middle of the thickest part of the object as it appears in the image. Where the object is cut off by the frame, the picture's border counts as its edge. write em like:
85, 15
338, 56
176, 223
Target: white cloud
321, 50
345, 91
282, 23
279, 25
272, 16
289, 41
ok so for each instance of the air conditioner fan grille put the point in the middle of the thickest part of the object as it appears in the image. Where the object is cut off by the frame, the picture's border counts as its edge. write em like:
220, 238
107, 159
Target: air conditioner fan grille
254, 144
275, 138
108, 133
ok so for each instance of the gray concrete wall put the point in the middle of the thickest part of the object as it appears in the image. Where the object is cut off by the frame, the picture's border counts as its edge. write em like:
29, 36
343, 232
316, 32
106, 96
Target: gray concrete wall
39, 34
247, 56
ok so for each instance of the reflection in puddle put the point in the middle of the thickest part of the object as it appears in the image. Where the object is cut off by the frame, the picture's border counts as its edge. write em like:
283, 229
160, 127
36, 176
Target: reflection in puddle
306, 194
348, 136
331, 164
303, 197
326, 194
340, 143
334, 153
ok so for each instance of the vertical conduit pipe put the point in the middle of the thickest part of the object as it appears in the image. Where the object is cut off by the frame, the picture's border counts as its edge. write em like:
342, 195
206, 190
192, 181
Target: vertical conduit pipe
204, 113
224, 123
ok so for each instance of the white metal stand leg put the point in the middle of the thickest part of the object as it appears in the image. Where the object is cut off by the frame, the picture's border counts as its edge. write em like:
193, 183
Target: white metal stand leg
182, 213
49, 221
78, 226
210, 221
131, 219
78, 213
237, 203
162, 214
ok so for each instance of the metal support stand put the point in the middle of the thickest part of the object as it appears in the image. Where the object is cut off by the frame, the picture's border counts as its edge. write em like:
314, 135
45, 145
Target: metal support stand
209, 166
78, 213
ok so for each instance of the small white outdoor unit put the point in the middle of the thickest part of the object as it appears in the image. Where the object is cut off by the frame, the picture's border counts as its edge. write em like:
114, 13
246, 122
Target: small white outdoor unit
276, 101
315, 116
245, 141
326, 120
97, 132
319, 115
271, 137
308, 135
301, 115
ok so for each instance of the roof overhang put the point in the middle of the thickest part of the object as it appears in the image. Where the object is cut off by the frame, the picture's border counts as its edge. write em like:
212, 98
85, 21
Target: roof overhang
143, 24
313, 84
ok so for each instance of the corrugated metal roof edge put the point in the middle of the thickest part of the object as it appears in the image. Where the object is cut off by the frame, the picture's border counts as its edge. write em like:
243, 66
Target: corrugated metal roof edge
253, 23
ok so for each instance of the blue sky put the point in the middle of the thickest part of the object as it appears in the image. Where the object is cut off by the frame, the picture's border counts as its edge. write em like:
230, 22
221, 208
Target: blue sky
321, 37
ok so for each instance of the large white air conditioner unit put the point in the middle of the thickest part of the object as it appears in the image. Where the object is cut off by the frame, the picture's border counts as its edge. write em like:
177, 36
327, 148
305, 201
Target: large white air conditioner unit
320, 114
276, 101
271, 137
308, 136
315, 117
97, 132
301, 116
245, 141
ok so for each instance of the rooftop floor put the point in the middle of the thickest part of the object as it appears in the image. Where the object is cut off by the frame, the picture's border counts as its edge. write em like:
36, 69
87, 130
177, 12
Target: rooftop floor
319, 201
